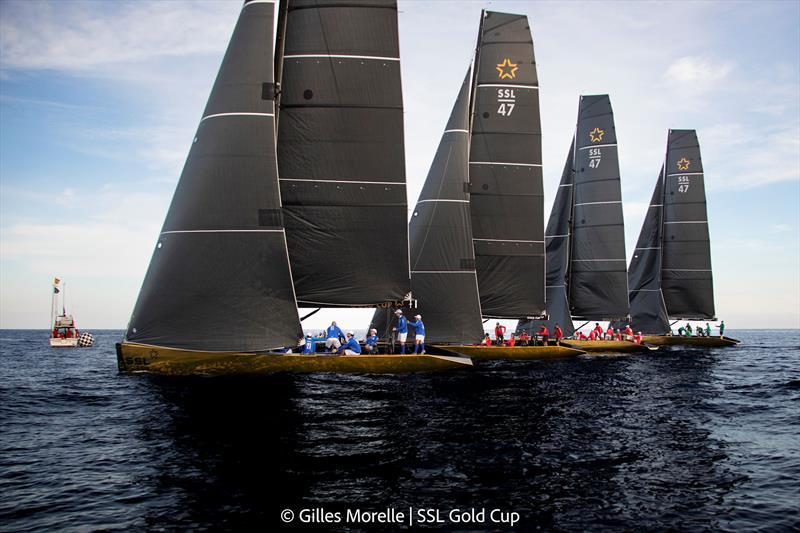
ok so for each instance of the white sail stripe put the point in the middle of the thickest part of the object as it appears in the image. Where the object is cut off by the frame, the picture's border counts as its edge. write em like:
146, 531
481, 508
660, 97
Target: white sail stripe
686, 174
496, 163
224, 231
595, 203
656, 205
215, 115
503, 240
591, 260
340, 56
251, 2
443, 200
534, 87
645, 290
689, 222
566, 185
442, 271
345, 181
688, 269
554, 286
597, 146
459, 131
649, 248
554, 236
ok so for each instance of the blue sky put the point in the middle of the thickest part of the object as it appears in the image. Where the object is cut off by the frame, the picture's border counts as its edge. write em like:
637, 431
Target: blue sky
99, 102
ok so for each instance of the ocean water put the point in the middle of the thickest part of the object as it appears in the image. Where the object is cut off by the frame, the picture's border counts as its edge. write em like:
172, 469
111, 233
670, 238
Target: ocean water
683, 439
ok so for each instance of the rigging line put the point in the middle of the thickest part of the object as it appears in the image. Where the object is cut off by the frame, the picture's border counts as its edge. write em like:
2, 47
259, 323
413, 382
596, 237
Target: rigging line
311, 313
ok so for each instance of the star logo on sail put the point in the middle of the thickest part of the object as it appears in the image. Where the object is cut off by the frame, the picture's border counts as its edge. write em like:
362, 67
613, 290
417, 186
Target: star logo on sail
683, 164
596, 135
506, 69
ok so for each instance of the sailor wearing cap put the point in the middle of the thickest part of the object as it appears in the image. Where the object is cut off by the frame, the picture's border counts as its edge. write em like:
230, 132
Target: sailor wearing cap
351, 347
309, 346
419, 330
371, 344
402, 330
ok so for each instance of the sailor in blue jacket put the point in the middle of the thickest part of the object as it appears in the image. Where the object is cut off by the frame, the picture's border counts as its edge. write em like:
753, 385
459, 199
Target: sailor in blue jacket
371, 344
419, 338
402, 330
310, 345
351, 347
333, 335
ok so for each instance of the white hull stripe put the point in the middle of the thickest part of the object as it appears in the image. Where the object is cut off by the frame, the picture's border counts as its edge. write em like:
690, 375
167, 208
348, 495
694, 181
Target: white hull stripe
597, 146
237, 115
456, 131
689, 222
597, 203
443, 200
345, 181
532, 87
224, 231
504, 240
592, 260
512, 164
442, 271
379, 58
686, 174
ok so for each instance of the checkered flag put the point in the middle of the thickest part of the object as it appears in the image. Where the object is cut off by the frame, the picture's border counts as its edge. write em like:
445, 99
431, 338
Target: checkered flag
85, 340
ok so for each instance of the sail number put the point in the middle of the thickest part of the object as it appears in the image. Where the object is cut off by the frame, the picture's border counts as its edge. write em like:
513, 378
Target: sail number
683, 184
595, 155
506, 100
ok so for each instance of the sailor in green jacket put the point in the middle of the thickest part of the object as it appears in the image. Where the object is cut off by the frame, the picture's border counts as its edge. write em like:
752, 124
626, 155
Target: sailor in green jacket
721, 327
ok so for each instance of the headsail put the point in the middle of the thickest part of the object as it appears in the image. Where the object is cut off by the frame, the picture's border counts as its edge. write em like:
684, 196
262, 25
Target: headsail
597, 278
505, 170
686, 266
340, 153
219, 277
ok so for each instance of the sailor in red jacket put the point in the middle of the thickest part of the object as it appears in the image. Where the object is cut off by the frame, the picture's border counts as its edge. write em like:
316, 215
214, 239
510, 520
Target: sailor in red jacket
545, 333
557, 333
598, 331
499, 331
638, 338
628, 333
610, 333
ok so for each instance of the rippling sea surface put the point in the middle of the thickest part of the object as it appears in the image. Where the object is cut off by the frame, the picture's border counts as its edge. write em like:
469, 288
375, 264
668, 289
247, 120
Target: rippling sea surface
687, 439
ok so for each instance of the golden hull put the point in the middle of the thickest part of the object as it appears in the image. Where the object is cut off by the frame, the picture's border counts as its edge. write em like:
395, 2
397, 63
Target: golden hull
132, 357
676, 340
510, 352
608, 346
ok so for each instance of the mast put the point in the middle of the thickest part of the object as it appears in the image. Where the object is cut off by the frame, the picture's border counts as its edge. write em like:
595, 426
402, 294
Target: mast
686, 274
341, 154
597, 280
219, 277
506, 192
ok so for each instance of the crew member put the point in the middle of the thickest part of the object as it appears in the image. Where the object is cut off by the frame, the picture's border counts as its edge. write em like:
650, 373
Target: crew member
593, 335
512, 340
309, 346
708, 330
371, 344
688, 330
332, 336
402, 330
487, 341
419, 334
499, 332
628, 333
721, 327
557, 333
638, 338
351, 347
598, 329
544, 333
610, 333
524, 338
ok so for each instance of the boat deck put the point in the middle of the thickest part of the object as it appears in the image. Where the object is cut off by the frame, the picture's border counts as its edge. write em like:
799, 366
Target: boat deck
608, 346
677, 340
509, 352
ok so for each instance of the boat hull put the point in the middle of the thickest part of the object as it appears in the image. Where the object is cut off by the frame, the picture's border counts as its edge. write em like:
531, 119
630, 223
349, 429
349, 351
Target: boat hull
63, 343
133, 357
677, 340
510, 352
608, 346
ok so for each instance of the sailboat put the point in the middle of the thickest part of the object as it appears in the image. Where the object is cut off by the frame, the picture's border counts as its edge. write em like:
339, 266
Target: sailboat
586, 274
477, 230
64, 334
300, 202
670, 273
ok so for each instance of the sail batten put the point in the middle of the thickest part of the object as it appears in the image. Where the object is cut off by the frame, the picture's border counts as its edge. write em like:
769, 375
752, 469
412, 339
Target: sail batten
341, 155
505, 170
219, 277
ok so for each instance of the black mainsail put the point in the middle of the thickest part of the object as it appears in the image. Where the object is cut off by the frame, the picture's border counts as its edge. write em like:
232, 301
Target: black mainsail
670, 273
219, 277
340, 152
443, 278
505, 170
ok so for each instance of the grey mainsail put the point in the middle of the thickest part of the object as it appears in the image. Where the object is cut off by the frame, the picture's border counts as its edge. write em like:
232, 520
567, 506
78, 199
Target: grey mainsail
505, 170
670, 273
686, 263
340, 152
597, 281
443, 278
219, 277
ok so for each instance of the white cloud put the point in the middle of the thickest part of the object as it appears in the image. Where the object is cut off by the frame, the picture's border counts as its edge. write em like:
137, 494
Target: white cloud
701, 71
